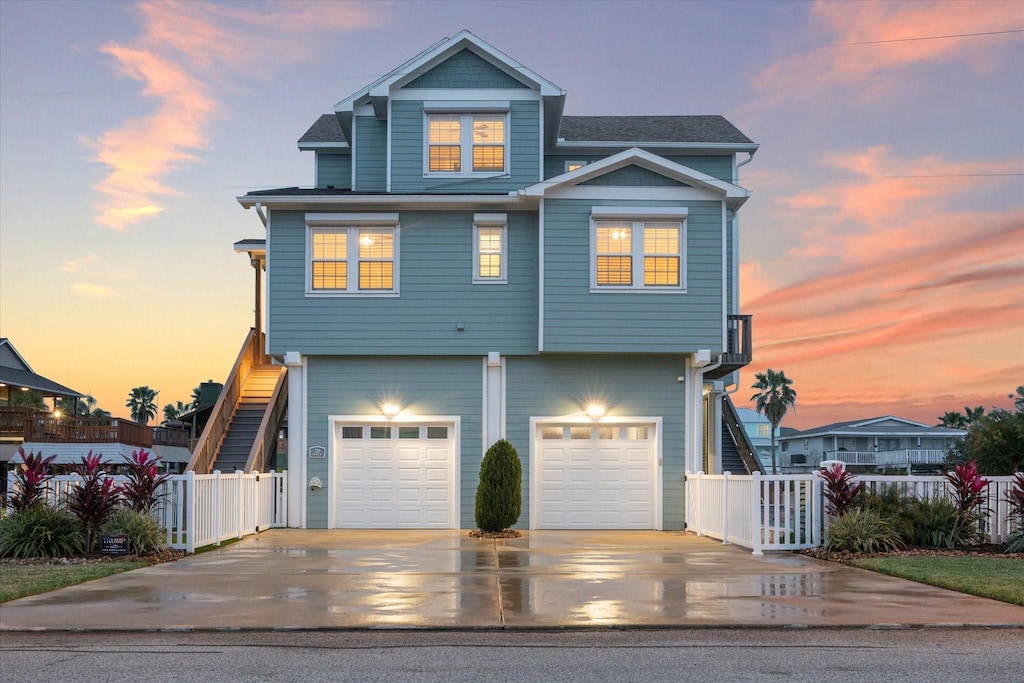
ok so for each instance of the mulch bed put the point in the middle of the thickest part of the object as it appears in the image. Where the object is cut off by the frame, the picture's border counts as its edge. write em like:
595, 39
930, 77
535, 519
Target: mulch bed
988, 550
167, 555
504, 533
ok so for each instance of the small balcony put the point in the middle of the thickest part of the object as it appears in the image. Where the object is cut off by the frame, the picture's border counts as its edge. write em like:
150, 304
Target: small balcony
739, 348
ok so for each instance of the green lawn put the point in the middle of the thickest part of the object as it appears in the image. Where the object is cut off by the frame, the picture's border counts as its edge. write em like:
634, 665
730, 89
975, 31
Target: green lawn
999, 578
20, 580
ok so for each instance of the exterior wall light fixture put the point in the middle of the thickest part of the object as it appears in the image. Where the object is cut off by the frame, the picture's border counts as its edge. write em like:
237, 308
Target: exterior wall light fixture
390, 410
595, 411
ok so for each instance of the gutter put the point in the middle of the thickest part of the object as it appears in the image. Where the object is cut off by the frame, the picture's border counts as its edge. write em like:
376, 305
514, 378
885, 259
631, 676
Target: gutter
285, 201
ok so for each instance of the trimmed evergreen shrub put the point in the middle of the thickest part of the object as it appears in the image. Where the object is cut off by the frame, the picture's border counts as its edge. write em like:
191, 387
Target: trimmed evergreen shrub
862, 531
40, 531
499, 497
144, 534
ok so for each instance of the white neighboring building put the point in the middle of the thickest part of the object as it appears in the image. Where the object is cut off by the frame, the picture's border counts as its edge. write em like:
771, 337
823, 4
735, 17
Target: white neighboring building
759, 431
874, 443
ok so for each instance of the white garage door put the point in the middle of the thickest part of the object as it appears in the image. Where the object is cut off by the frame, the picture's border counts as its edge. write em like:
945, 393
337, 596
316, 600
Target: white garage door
600, 477
395, 476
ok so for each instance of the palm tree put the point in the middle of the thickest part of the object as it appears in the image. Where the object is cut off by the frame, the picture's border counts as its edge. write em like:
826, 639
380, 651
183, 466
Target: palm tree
197, 396
775, 396
174, 411
142, 402
973, 415
952, 420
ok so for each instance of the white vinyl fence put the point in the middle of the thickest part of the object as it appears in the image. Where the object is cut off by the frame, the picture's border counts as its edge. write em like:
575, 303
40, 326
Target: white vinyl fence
203, 509
786, 511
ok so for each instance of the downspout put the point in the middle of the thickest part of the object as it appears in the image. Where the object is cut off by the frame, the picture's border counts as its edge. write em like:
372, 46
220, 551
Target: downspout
259, 212
695, 410
750, 157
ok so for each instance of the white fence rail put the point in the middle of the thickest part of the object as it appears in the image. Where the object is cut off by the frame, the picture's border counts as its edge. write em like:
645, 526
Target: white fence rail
905, 456
786, 511
203, 509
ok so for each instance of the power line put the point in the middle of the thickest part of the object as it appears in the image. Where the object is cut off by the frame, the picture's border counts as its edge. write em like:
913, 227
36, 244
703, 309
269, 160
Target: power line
874, 177
906, 40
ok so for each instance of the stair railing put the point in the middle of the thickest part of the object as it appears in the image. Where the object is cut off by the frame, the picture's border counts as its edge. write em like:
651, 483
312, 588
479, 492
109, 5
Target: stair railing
743, 446
266, 435
210, 440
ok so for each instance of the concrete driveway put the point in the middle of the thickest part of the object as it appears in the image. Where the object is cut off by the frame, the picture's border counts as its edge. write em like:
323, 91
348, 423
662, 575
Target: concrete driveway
304, 579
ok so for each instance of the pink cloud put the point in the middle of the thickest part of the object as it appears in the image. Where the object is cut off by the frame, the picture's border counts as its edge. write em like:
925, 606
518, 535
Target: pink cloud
810, 72
187, 53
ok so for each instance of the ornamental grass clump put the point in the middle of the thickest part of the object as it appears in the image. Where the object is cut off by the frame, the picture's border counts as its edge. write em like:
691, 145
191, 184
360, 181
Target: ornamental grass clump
144, 534
841, 489
499, 497
93, 499
30, 480
40, 531
862, 531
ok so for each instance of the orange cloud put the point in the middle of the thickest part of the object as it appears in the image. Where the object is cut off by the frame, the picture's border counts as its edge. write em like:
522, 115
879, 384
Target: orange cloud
189, 52
73, 266
92, 290
812, 72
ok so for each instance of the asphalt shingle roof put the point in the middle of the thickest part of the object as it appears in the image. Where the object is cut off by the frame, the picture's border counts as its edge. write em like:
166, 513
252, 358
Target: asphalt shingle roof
709, 128
324, 129
24, 378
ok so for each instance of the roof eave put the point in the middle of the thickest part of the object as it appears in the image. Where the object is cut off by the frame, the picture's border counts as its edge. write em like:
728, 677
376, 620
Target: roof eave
692, 147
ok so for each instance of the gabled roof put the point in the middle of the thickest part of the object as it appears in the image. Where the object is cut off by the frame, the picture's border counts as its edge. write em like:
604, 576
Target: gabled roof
7, 350
648, 129
734, 195
378, 92
23, 376
877, 426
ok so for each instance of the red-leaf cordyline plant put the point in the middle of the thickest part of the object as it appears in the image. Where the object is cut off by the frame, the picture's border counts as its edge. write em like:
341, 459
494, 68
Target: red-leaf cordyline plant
841, 489
94, 498
31, 477
968, 489
142, 490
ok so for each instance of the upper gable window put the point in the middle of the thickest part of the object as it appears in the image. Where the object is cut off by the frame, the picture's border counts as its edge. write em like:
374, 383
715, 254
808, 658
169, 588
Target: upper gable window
348, 258
490, 248
466, 143
643, 253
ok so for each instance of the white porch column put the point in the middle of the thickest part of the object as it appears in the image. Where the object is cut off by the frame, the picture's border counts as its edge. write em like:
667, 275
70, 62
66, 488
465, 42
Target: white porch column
494, 399
296, 439
714, 425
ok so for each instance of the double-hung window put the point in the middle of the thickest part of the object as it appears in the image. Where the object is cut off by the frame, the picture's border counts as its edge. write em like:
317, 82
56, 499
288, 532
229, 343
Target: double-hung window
639, 252
490, 248
352, 254
465, 144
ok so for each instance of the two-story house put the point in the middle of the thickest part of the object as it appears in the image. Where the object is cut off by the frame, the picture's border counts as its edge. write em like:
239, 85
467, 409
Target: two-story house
473, 264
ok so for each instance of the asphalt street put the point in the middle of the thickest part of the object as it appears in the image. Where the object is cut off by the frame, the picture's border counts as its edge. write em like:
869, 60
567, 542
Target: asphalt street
937, 655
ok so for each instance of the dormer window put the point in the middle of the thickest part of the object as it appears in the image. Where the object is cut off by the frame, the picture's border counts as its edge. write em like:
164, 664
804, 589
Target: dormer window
466, 144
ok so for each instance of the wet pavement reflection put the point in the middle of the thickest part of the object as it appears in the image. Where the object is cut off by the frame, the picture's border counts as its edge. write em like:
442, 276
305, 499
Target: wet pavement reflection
445, 579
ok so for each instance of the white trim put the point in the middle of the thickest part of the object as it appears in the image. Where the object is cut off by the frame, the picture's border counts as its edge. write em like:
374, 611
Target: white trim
540, 276
387, 158
725, 283
445, 96
355, 141
364, 110
454, 421
621, 193
297, 432
490, 221
488, 375
581, 419
352, 219
315, 202
466, 106
315, 146
637, 252
266, 285
576, 145
634, 212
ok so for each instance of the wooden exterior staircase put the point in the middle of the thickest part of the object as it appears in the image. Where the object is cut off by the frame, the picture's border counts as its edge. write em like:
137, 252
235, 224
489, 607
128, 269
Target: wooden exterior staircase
738, 454
241, 434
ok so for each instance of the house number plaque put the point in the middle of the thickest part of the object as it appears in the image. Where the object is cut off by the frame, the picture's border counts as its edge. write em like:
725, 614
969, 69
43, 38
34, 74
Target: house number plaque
317, 452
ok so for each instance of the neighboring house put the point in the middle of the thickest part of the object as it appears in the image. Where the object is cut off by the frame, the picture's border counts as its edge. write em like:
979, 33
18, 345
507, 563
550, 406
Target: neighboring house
874, 443
69, 438
759, 431
472, 264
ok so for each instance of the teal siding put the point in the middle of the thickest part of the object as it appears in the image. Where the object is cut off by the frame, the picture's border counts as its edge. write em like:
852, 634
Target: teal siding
544, 386
334, 170
357, 386
437, 294
465, 70
717, 166
634, 176
371, 154
631, 386
407, 152
576, 320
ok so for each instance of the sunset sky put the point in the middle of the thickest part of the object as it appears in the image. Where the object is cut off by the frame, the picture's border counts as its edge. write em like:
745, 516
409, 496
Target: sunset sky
882, 251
